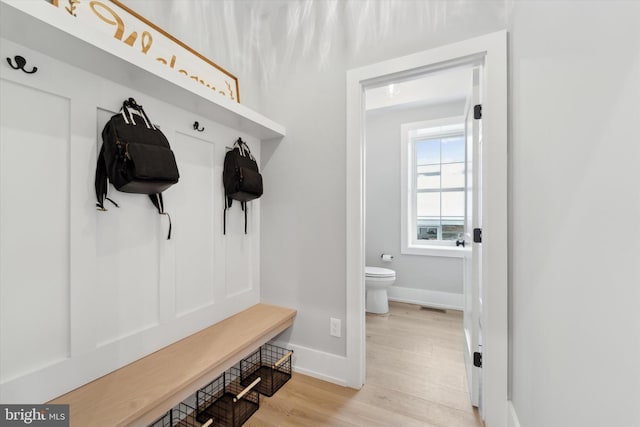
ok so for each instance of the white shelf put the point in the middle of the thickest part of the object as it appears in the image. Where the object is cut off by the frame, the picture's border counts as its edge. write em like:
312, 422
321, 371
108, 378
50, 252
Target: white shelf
39, 26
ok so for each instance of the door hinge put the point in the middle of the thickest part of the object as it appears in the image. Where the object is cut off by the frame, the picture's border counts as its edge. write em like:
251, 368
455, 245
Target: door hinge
477, 111
477, 235
477, 359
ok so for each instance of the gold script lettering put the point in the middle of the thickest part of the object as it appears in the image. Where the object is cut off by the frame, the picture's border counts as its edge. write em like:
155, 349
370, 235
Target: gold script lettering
171, 64
72, 7
117, 20
111, 17
146, 42
230, 90
194, 77
131, 39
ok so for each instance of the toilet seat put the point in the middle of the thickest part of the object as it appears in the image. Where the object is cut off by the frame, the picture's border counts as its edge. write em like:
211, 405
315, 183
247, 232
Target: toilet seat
379, 272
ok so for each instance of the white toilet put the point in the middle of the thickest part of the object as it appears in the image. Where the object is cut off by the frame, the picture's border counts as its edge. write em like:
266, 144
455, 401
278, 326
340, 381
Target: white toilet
377, 280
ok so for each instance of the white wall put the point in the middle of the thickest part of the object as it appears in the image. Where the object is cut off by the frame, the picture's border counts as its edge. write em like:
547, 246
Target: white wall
303, 210
573, 167
574, 213
383, 201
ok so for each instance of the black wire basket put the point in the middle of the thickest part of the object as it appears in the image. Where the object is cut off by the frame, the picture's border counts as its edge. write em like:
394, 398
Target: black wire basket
270, 363
227, 401
182, 415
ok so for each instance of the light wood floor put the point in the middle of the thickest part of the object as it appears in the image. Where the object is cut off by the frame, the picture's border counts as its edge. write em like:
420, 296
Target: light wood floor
415, 377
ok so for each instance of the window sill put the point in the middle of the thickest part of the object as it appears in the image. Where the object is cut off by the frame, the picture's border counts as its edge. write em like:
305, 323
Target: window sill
435, 250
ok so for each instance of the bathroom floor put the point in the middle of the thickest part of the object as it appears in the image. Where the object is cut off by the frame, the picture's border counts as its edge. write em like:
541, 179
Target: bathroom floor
415, 356
415, 377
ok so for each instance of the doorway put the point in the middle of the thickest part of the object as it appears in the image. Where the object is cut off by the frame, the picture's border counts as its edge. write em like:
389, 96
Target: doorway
421, 201
491, 51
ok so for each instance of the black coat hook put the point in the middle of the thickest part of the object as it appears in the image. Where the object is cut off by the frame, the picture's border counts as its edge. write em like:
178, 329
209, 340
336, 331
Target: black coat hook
20, 63
196, 125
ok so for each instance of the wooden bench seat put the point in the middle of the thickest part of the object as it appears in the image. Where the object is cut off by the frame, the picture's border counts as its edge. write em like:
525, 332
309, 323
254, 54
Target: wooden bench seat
139, 393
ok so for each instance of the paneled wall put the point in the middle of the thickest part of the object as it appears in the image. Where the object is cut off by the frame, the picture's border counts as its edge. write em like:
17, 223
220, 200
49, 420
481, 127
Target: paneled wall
83, 292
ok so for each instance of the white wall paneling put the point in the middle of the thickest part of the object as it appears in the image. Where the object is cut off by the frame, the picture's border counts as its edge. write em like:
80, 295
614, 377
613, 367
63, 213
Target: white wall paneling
127, 261
34, 228
195, 251
84, 292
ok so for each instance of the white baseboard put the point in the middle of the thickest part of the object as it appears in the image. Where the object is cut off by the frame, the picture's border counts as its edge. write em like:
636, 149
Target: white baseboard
426, 298
512, 417
318, 364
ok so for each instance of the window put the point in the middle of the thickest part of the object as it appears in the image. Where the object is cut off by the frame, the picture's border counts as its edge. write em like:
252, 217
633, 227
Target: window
433, 187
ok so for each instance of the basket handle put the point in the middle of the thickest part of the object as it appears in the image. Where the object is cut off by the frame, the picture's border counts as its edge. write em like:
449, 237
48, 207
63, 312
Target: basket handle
246, 390
208, 423
282, 359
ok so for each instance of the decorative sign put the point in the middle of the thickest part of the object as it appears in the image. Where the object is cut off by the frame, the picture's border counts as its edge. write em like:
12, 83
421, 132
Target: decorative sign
128, 27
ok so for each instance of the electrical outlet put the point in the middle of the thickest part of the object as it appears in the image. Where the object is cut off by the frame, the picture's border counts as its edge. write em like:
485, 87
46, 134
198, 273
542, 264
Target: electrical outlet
335, 328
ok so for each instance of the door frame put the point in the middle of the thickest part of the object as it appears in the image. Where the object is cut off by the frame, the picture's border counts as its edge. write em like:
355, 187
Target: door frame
492, 48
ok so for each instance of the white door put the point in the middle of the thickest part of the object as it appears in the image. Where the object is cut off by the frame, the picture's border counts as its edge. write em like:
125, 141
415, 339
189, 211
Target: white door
472, 276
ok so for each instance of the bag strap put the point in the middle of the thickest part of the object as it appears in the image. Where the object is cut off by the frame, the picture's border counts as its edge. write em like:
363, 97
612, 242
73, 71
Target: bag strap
101, 180
101, 183
227, 204
157, 201
228, 201
245, 208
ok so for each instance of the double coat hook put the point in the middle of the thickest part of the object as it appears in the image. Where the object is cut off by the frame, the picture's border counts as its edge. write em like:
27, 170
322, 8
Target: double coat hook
196, 126
20, 63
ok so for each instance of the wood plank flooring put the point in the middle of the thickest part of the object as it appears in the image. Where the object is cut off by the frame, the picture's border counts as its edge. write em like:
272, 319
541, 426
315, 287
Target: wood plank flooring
415, 377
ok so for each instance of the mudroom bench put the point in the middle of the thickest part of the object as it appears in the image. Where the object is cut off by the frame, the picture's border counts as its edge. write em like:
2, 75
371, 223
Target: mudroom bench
139, 393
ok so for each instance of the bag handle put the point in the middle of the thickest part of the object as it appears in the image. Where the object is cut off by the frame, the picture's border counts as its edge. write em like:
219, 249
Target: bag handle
244, 149
247, 389
133, 105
